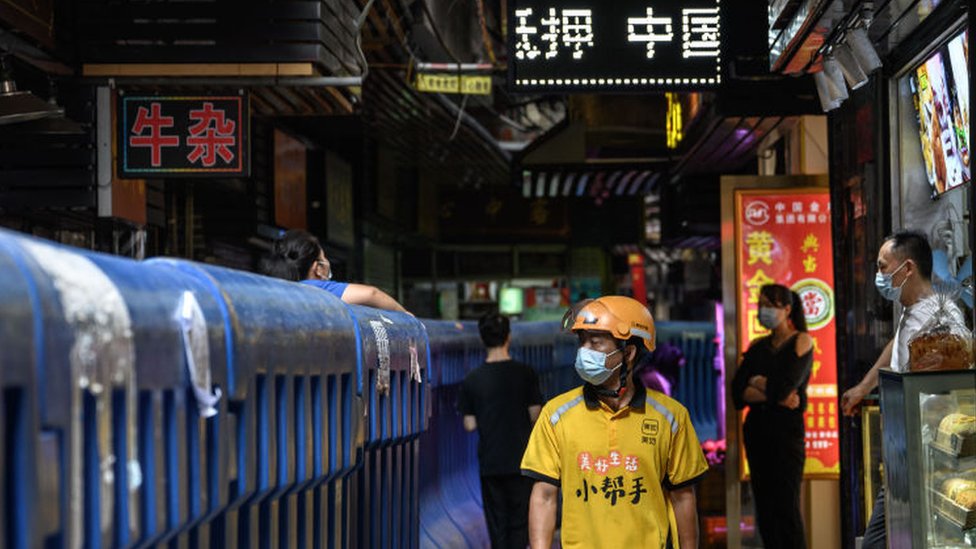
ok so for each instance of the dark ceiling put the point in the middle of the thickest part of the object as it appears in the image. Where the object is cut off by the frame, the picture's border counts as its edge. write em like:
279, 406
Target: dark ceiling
570, 142
625, 133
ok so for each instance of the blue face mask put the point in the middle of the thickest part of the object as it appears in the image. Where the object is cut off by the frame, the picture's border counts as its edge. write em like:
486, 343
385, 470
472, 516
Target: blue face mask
883, 283
769, 318
591, 365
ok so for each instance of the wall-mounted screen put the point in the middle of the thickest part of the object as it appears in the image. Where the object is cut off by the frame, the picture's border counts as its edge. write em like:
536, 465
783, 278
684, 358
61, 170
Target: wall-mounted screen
941, 88
594, 46
511, 301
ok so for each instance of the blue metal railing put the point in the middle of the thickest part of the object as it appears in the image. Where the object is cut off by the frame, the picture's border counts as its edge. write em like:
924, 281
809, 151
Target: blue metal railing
166, 401
697, 386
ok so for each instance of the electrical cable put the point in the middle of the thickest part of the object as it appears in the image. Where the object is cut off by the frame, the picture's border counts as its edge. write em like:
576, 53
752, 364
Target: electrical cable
457, 123
360, 21
812, 138
484, 32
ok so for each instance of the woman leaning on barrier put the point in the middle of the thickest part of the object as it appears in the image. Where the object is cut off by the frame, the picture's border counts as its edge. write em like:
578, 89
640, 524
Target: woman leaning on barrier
299, 257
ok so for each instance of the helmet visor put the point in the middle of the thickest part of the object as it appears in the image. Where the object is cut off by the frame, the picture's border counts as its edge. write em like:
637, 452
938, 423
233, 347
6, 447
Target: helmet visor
570, 317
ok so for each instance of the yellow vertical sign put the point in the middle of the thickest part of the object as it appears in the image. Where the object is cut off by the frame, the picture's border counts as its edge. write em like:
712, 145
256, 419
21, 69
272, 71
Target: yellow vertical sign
675, 131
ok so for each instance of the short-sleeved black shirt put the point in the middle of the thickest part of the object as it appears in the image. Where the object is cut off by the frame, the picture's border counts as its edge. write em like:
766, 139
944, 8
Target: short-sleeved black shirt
499, 394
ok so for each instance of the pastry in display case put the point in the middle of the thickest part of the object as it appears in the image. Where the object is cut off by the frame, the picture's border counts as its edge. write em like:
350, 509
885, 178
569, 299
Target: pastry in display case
956, 435
929, 451
953, 459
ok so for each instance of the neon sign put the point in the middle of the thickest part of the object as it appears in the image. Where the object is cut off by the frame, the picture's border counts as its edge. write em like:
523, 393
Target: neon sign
620, 45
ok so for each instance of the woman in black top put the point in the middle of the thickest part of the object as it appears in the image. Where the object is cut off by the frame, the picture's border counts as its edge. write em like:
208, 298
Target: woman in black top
772, 381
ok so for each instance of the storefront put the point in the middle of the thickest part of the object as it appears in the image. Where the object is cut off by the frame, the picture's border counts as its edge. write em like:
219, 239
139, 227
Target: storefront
929, 142
894, 81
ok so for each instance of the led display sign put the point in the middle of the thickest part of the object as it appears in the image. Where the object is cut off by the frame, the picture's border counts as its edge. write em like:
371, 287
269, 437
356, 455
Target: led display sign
558, 45
181, 136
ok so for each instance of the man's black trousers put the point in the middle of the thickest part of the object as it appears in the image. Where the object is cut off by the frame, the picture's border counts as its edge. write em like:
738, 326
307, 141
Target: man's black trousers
506, 502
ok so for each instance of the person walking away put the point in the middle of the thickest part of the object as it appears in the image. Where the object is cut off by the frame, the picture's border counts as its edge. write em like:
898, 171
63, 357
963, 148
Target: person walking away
904, 276
298, 256
501, 400
626, 458
772, 381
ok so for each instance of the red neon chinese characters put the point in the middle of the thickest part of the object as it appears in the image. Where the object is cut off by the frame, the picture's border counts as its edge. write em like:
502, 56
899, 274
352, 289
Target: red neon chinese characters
211, 136
156, 122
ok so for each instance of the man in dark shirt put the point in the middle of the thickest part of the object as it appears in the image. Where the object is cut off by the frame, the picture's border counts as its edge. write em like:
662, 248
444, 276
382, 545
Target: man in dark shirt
501, 399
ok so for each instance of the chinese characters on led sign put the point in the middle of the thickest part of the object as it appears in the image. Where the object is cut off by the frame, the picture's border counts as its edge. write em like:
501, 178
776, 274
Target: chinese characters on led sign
575, 27
179, 136
628, 44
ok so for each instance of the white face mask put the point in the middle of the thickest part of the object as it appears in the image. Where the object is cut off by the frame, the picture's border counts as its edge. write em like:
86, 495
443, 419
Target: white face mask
592, 365
884, 285
769, 317
325, 263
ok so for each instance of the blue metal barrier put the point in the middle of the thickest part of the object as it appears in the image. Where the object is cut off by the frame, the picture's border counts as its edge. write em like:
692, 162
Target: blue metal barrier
125, 444
22, 336
290, 377
393, 354
104, 349
450, 495
696, 386
168, 402
550, 350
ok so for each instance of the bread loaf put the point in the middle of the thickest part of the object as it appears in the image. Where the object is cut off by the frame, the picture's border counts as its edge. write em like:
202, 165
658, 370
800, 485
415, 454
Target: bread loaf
955, 486
967, 498
940, 351
958, 424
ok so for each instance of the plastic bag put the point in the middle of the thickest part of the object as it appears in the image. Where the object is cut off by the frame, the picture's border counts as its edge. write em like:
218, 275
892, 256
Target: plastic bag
943, 342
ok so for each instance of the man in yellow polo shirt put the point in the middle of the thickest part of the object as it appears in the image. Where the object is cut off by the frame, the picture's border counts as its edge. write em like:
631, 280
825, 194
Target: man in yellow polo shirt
626, 458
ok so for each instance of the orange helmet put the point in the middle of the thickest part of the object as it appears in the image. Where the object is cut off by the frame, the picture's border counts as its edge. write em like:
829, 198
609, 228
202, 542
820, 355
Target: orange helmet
623, 317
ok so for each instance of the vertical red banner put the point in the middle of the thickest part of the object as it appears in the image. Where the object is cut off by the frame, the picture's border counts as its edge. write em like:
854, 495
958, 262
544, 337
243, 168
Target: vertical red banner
783, 236
638, 277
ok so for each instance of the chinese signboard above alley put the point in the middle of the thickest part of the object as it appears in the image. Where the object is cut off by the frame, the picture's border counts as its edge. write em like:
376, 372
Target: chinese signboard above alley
622, 45
783, 236
183, 136
467, 84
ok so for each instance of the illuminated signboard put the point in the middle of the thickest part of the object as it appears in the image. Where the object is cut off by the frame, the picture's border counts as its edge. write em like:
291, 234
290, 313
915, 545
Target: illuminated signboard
783, 236
511, 301
467, 84
622, 45
177, 136
675, 123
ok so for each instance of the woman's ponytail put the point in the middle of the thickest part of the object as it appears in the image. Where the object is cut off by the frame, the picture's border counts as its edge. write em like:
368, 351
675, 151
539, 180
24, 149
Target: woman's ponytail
292, 256
796, 312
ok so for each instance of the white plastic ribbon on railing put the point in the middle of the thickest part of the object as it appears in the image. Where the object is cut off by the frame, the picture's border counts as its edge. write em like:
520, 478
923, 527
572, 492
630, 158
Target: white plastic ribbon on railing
196, 347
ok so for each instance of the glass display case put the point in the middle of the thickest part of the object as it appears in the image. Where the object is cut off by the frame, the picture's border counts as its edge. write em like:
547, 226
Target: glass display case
929, 450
